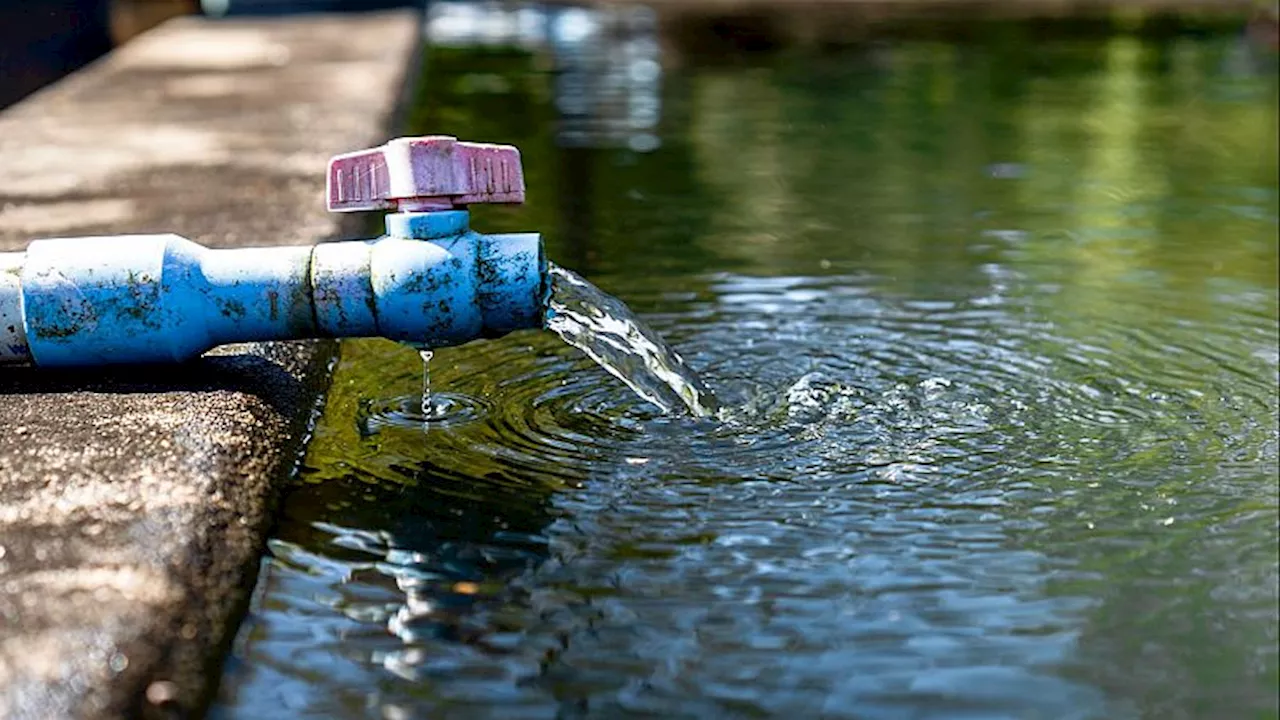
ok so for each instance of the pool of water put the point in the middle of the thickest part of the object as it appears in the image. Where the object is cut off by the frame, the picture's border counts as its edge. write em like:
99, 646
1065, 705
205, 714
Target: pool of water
994, 327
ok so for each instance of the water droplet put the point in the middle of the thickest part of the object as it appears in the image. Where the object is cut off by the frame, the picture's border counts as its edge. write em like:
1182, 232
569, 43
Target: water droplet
426, 356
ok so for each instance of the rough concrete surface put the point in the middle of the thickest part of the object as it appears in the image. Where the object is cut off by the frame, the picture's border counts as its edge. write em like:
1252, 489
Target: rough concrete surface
134, 502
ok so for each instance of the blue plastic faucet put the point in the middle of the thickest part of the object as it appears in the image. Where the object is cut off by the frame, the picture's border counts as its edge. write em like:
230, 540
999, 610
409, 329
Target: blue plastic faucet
430, 280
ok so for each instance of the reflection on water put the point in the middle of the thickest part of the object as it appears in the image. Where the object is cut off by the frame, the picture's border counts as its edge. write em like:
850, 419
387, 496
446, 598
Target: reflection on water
995, 329
605, 62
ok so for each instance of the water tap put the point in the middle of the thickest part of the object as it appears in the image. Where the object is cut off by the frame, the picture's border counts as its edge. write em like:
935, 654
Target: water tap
430, 281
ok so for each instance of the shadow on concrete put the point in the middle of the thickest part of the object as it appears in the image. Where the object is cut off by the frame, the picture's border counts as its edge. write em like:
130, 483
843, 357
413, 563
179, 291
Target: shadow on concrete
250, 374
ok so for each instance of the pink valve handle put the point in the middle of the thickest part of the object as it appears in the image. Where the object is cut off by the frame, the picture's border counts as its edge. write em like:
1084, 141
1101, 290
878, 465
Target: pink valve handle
415, 174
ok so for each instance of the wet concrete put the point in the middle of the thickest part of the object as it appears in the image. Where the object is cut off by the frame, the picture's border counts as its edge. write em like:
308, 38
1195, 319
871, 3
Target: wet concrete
134, 503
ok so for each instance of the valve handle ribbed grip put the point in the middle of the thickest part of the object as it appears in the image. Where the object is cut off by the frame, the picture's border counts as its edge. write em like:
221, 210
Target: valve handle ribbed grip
425, 173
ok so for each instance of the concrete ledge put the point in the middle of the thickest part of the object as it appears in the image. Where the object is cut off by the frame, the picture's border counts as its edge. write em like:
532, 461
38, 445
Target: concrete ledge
134, 503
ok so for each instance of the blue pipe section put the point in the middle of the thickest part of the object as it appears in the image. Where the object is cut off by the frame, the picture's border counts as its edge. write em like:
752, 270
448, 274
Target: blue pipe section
431, 281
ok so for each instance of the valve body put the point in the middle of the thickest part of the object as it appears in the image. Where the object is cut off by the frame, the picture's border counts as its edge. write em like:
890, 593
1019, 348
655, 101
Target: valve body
162, 298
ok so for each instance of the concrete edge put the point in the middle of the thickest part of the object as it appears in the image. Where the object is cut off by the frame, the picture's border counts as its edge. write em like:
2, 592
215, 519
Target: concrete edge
165, 655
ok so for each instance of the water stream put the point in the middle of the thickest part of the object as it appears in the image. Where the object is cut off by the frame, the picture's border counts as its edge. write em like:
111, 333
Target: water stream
427, 410
604, 328
598, 324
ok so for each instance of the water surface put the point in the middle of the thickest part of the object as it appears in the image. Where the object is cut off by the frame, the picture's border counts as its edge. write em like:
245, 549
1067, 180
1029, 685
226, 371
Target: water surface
994, 327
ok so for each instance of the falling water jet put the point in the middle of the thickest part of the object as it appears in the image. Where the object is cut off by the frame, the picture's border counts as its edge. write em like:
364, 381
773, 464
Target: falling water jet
426, 356
606, 330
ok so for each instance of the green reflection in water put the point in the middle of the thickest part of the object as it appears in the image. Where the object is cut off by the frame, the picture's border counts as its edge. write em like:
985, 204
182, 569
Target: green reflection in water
1077, 238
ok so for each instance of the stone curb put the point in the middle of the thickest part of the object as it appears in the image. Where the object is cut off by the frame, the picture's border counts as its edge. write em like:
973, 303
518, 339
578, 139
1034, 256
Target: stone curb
134, 503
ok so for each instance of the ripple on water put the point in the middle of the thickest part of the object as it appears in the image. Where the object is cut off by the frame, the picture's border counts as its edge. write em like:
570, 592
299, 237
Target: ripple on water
1021, 463
874, 520
841, 535
443, 409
